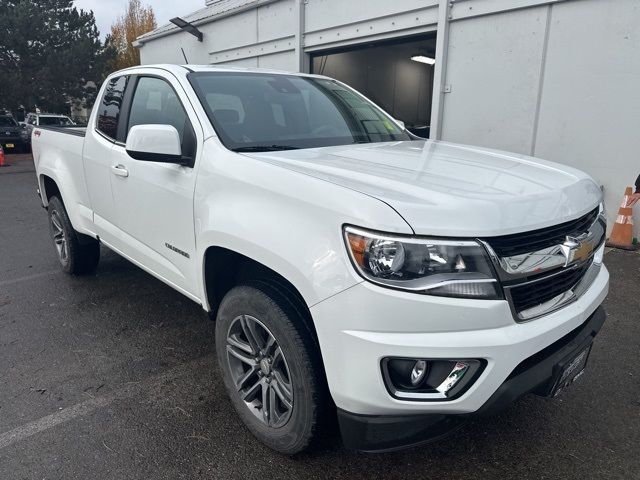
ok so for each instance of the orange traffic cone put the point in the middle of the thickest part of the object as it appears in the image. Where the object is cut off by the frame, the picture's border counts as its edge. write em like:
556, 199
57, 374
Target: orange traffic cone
622, 233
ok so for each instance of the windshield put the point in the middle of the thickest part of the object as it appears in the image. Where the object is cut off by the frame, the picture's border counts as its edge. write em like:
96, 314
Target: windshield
262, 112
7, 122
57, 121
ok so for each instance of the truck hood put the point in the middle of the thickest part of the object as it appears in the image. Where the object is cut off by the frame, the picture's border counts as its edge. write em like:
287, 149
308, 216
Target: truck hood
445, 189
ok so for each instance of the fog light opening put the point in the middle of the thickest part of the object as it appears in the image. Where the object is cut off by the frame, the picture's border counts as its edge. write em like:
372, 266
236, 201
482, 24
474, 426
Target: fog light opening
429, 379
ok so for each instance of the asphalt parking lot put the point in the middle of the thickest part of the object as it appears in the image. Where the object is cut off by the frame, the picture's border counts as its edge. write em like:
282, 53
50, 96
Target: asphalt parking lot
113, 376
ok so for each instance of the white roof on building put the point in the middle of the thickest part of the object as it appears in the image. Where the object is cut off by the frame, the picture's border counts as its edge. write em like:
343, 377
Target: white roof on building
204, 15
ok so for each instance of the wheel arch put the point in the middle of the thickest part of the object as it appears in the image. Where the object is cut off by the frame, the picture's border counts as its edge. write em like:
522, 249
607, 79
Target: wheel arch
225, 268
49, 188
77, 206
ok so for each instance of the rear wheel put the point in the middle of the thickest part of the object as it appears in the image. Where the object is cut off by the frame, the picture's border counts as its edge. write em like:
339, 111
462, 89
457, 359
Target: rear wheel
77, 253
271, 368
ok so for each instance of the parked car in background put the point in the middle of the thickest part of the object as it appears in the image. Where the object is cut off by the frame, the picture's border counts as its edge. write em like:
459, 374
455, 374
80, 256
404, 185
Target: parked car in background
11, 137
33, 120
48, 119
415, 282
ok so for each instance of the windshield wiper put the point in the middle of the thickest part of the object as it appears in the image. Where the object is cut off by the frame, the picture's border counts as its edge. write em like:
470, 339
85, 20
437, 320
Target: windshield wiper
264, 148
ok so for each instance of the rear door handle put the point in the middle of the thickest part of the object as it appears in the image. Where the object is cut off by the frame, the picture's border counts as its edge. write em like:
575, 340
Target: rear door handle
119, 170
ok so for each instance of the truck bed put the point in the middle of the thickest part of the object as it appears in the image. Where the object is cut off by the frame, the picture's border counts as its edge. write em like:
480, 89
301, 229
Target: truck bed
77, 131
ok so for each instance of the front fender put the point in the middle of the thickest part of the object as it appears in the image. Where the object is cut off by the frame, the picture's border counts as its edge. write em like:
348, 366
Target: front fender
285, 220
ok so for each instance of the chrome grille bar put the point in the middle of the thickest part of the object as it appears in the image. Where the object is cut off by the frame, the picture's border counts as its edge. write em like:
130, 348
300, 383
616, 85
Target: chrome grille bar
541, 281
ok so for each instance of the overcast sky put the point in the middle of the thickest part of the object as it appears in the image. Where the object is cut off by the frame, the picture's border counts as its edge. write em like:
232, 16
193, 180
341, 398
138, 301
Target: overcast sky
106, 11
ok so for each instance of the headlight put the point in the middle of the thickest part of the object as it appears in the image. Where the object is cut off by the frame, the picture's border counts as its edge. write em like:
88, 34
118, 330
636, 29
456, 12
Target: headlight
448, 268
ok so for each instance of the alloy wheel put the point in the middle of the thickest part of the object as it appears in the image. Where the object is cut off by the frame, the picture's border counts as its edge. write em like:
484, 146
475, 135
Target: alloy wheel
59, 238
259, 371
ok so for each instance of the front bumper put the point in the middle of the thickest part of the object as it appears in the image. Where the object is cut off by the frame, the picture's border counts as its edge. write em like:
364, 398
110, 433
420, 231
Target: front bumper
366, 323
379, 433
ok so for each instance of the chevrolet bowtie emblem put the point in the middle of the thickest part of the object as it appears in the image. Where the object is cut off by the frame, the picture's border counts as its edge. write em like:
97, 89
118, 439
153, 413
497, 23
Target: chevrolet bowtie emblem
574, 250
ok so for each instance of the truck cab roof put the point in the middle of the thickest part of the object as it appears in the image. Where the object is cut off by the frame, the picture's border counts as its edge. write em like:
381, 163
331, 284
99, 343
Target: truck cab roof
188, 68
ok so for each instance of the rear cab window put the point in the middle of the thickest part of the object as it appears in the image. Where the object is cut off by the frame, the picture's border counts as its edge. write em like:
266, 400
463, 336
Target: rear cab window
110, 106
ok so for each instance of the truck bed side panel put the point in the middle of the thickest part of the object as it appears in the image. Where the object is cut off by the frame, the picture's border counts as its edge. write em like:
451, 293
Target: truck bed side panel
57, 153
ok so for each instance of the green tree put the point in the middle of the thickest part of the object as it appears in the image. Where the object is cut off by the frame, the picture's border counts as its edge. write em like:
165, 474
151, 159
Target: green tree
50, 53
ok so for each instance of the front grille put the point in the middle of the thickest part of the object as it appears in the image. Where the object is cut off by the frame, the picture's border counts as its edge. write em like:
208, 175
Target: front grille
536, 292
532, 241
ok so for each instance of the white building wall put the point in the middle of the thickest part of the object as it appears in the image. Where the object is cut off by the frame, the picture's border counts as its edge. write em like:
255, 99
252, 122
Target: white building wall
168, 50
260, 37
335, 23
559, 81
590, 97
556, 79
265, 35
493, 69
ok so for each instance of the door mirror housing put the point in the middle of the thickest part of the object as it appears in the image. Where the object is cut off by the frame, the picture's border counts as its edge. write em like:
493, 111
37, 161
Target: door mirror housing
400, 123
155, 143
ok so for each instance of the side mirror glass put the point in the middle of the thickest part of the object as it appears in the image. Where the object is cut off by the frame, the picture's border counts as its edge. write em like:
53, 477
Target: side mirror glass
154, 143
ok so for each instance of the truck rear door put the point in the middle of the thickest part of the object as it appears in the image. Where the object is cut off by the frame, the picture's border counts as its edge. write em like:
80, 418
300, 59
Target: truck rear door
98, 146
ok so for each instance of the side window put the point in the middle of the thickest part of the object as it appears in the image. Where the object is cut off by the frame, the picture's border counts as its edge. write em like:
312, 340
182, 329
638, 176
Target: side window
155, 102
109, 109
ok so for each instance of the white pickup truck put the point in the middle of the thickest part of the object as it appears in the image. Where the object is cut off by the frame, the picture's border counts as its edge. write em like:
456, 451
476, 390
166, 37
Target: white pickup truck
351, 267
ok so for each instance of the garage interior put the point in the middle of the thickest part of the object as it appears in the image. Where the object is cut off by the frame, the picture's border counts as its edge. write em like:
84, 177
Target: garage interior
397, 75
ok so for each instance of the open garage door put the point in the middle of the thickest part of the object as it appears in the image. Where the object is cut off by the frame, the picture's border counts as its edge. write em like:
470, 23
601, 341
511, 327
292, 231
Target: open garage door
395, 74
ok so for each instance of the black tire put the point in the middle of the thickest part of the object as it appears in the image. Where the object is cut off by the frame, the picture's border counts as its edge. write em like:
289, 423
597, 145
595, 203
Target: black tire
76, 252
264, 302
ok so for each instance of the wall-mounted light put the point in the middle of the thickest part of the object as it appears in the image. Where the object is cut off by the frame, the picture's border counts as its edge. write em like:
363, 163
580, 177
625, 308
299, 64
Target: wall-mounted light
424, 59
187, 27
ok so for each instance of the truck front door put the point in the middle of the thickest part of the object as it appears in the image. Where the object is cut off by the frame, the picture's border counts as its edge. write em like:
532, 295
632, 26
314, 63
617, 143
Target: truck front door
154, 201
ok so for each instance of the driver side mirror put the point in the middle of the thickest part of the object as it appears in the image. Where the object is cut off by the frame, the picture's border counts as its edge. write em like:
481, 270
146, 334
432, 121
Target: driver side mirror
400, 123
155, 143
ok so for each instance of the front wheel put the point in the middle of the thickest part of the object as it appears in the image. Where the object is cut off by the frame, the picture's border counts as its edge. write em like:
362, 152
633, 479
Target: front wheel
77, 253
271, 367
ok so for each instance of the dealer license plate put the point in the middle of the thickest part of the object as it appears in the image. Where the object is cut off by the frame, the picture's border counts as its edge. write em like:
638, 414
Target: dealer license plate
570, 371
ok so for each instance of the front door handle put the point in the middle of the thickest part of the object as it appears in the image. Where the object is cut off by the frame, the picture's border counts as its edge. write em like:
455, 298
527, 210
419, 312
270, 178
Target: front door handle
119, 170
